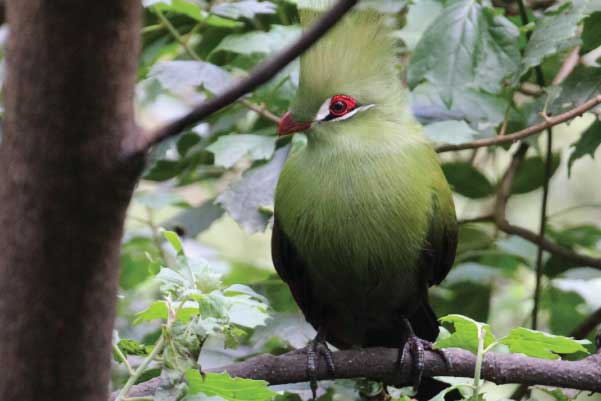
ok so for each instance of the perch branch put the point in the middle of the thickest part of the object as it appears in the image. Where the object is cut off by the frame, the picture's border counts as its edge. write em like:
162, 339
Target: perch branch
381, 364
532, 130
259, 76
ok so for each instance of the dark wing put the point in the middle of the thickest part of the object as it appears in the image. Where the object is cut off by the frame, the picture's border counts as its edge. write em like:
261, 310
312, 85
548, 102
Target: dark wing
439, 251
292, 269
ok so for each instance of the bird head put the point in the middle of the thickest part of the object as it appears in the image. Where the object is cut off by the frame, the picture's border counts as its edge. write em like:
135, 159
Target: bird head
350, 74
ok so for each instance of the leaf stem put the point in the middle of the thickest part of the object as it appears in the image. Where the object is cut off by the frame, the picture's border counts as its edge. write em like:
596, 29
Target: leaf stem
121, 355
479, 359
158, 347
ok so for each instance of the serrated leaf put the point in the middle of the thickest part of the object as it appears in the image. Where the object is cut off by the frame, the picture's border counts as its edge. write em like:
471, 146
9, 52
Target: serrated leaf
230, 389
556, 31
450, 131
465, 334
259, 42
174, 240
483, 111
419, 17
229, 149
244, 8
181, 75
530, 174
541, 345
480, 49
245, 198
587, 144
466, 180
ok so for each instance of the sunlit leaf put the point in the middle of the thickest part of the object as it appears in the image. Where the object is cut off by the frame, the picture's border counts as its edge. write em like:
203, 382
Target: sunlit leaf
541, 345
230, 389
465, 334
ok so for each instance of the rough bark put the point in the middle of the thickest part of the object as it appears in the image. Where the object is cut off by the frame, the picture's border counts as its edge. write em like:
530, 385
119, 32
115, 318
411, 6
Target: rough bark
64, 190
381, 364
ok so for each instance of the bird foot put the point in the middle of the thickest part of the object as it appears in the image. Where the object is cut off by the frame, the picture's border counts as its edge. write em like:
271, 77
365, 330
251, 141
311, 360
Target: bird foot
413, 347
315, 349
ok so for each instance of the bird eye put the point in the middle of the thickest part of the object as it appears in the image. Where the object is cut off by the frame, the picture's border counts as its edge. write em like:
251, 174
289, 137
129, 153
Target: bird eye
341, 104
338, 107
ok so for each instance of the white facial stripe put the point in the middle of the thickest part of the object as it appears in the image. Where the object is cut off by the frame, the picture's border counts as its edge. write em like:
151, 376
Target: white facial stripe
324, 111
352, 113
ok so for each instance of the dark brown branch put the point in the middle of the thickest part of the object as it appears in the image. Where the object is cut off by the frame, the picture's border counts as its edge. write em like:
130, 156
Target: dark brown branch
259, 76
535, 129
382, 364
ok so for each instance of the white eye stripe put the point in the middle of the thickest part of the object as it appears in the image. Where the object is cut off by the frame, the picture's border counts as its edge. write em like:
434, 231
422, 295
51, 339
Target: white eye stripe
352, 113
324, 112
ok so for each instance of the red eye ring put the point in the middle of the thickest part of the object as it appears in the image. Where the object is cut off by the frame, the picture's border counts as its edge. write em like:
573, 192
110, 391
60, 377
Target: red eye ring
341, 105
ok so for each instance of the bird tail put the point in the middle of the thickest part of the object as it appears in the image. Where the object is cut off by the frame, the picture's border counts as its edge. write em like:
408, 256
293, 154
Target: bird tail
425, 326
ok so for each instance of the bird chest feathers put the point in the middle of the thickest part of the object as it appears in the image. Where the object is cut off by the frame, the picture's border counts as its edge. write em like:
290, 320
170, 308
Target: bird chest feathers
358, 213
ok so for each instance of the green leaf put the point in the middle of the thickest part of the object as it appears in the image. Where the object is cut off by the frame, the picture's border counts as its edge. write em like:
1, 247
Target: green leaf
530, 174
586, 145
136, 266
582, 84
556, 31
181, 75
465, 334
482, 111
244, 8
541, 345
185, 7
259, 42
195, 220
255, 190
131, 347
229, 149
230, 389
157, 310
480, 49
450, 131
174, 240
466, 180
591, 33
420, 16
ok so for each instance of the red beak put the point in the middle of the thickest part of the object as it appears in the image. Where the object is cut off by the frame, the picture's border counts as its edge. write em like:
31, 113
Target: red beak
289, 126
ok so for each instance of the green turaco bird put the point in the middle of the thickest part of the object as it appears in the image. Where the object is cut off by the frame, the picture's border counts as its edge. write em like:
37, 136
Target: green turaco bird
364, 218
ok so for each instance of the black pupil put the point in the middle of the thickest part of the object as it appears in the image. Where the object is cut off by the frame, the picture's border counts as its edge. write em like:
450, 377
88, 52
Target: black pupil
338, 107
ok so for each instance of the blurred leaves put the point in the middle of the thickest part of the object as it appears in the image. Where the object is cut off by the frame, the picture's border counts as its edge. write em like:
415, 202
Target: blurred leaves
586, 145
466, 180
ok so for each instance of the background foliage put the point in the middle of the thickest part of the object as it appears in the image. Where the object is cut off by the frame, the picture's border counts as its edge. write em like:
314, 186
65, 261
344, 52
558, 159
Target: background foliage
471, 72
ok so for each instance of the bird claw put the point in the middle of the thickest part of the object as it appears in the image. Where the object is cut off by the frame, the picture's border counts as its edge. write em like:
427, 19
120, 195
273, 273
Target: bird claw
316, 348
414, 347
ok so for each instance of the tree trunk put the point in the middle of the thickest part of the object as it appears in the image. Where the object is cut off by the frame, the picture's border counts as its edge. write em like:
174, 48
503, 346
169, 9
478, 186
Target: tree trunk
64, 190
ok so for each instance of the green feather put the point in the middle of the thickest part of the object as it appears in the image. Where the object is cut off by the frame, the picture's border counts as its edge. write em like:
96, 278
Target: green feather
358, 200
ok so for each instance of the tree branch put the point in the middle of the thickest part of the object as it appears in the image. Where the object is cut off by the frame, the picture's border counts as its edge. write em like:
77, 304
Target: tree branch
381, 364
259, 76
192, 53
535, 129
587, 325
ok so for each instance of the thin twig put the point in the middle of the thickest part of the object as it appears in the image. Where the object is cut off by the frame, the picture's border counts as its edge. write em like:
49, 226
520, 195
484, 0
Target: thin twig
525, 133
192, 53
259, 76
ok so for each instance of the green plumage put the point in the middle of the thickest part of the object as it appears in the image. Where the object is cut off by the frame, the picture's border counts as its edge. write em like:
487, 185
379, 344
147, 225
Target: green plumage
365, 220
